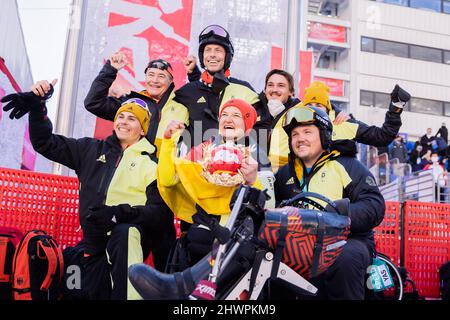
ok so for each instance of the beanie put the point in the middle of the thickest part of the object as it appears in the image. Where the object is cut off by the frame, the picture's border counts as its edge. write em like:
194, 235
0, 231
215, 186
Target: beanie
318, 92
247, 110
139, 108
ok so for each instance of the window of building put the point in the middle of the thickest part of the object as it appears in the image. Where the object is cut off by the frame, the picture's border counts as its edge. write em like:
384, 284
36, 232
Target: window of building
426, 106
432, 5
447, 57
340, 105
426, 54
367, 44
327, 60
330, 9
446, 6
397, 2
391, 48
447, 109
382, 100
366, 98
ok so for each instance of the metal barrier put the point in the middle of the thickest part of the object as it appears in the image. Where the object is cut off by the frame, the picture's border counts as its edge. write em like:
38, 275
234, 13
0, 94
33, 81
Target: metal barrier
417, 186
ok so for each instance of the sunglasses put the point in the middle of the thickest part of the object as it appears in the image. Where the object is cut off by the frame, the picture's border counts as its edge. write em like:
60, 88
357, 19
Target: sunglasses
213, 30
303, 115
161, 65
137, 101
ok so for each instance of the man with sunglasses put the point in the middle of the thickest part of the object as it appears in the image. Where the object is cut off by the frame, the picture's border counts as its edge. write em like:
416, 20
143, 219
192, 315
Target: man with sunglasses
204, 97
102, 101
122, 215
313, 167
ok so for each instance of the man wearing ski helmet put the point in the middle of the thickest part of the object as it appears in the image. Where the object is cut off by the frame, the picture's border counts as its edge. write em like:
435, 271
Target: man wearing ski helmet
313, 167
204, 97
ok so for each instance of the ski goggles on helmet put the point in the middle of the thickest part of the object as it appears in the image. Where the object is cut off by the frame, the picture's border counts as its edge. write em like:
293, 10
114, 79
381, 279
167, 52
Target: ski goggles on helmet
304, 116
161, 65
213, 30
138, 102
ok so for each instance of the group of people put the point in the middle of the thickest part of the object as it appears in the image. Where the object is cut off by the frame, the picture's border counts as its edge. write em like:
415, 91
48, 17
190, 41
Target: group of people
183, 152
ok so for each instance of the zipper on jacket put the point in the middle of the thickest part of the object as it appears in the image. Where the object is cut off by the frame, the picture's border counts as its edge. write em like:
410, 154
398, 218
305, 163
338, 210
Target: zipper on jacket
104, 183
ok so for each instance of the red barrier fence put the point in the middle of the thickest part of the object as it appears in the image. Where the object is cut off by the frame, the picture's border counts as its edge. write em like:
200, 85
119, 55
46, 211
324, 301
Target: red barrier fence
427, 243
30, 200
387, 234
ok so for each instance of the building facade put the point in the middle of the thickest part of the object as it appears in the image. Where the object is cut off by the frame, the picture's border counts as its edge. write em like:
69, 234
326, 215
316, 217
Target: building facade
363, 48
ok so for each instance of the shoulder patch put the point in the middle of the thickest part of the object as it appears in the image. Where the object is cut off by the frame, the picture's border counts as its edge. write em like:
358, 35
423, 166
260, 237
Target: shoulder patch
371, 181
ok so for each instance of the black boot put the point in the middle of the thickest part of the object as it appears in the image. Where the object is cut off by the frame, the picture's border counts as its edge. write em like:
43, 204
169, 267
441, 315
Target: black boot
154, 285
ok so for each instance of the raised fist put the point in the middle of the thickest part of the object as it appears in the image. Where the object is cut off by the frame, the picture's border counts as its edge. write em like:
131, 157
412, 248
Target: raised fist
118, 60
189, 63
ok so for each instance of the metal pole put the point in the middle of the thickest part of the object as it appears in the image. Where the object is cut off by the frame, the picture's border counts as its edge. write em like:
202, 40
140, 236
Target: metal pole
294, 29
69, 79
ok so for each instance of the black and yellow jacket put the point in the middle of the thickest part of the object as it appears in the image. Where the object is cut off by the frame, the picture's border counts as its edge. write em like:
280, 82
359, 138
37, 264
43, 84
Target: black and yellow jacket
336, 177
203, 105
107, 175
344, 136
162, 112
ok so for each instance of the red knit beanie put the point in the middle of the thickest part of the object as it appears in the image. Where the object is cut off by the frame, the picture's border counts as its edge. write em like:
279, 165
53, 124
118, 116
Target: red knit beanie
248, 112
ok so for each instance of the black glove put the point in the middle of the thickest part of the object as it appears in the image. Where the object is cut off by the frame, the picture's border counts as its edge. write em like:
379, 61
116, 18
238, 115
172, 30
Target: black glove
103, 218
399, 98
219, 232
22, 103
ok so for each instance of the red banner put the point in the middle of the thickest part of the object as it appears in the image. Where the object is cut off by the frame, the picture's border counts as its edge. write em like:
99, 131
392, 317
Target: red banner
276, 58
328, 32
306, 60
9, 85
336, 86
166, 37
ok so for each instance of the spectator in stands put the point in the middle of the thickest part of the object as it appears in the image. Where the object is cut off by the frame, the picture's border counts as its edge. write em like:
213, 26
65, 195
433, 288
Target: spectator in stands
439, 175
415, 158
122, 214
443, 132
398, 150
427, 140
105, 98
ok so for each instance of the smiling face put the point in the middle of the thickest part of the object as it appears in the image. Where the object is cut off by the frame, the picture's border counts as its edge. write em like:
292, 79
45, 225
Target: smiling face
127, 128
305, 142
214, 57
157, 82
277, 88
231, 123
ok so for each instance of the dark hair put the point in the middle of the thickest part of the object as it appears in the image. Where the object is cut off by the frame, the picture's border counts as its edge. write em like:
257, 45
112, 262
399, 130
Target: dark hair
283, 73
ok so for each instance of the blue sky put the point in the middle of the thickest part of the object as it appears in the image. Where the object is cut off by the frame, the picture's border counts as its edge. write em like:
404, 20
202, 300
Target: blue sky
44, 24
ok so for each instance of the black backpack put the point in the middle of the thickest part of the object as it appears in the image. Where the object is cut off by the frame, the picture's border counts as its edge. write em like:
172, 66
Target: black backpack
444, 280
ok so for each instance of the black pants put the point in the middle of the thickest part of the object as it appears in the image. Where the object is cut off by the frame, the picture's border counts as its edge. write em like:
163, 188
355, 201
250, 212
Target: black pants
107, 273
344, 280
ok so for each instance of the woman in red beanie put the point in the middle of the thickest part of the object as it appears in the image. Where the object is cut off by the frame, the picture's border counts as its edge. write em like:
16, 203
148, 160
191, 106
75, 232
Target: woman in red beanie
198, 188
